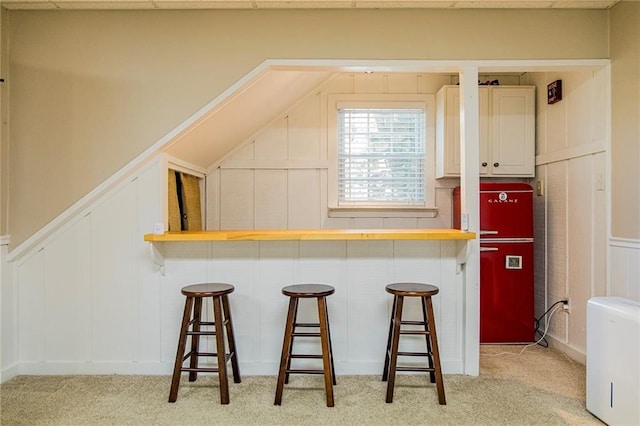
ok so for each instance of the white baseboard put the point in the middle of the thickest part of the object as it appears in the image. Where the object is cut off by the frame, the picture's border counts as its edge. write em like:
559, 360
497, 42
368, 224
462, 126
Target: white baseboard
568, 350
8, 373
95, 368
255, 368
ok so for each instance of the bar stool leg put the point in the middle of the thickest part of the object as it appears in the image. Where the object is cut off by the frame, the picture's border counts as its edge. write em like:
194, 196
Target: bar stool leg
393, 361
324, 340
436, 353
293, 330
286, 348
333, 368
195, 338
231, 339
427, 329
385, 371
220, 350
182, 343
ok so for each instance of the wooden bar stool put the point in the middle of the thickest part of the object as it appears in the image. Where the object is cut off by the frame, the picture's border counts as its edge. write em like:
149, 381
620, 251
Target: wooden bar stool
221, 321
424, 292
296, 292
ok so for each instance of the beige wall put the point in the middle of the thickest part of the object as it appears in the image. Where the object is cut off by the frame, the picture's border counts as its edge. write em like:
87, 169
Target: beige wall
91, 90
625, 120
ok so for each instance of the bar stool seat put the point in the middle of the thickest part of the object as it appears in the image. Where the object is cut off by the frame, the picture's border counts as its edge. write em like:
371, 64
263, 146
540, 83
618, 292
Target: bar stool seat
295, 293
221, 320
424, 292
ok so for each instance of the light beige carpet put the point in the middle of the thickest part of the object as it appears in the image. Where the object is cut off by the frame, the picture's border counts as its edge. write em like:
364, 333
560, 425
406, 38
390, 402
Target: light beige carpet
539, 387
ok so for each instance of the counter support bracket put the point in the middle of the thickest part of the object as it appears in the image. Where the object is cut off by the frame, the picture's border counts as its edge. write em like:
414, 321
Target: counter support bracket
464, 250
157, 254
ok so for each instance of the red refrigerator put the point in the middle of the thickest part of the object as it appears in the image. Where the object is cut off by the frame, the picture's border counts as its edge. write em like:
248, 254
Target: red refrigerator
506, 261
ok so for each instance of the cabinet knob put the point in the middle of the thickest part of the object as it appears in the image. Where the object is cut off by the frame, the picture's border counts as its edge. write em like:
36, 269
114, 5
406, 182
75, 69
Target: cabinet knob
496, 164
484, 164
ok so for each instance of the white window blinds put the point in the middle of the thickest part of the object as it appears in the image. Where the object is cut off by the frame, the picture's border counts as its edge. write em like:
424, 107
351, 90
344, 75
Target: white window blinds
381, 155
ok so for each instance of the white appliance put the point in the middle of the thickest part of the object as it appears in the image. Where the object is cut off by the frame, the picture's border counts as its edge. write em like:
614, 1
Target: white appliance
613, 360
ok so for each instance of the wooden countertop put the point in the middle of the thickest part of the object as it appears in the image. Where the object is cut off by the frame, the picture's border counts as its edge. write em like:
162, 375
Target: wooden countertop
314, 235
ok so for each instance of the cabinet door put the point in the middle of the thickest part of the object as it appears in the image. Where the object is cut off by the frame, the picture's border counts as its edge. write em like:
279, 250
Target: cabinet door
452, 132
512, 131
449, 134
483, 155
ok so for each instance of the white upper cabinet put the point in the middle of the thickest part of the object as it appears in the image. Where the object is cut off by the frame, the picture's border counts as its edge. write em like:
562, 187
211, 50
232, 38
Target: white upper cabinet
507, 131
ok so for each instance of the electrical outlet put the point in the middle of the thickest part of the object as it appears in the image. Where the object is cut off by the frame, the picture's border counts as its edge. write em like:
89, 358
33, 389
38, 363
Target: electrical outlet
567, 306
540, 188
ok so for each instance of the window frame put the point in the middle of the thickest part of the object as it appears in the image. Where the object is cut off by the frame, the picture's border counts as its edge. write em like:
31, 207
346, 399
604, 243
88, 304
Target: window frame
426, 102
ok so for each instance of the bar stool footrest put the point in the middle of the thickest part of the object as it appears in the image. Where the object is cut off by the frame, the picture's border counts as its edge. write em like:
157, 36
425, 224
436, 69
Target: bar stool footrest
415, 354
413, 323
422, 369
227, 356
415, 332
201, 333
201, 370
300, 371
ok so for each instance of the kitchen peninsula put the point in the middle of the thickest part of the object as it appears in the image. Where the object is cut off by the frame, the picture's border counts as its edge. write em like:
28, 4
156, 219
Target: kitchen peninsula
357, 262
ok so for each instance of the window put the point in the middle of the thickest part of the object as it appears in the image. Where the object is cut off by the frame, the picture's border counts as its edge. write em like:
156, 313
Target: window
381, 156
382, 159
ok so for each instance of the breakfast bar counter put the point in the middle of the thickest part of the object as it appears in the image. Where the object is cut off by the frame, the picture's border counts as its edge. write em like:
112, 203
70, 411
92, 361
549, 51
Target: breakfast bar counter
313, 235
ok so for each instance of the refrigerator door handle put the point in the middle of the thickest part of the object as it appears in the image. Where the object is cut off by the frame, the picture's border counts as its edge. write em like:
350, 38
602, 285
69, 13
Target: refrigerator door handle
482, 232
488, 248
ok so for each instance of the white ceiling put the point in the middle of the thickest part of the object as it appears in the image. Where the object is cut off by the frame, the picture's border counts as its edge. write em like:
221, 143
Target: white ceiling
304, 4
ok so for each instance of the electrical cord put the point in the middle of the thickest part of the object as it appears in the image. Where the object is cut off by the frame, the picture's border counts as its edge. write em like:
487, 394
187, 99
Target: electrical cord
546, 328
543, 342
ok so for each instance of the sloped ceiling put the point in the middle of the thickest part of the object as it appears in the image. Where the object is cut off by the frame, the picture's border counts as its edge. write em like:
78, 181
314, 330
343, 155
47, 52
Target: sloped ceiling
242, 114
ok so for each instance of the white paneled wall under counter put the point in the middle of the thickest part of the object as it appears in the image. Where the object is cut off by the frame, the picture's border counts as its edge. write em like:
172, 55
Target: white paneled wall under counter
358, 311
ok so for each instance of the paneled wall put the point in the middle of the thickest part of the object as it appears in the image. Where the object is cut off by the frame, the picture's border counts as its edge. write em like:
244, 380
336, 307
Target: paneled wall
358, 311
88, 301
97, 299
571, 213
278, 179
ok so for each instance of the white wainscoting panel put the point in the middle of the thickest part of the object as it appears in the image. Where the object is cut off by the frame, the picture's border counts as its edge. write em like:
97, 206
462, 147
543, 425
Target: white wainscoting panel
580, 243
147, 285
236, 199
31, 309
625, 269
304, 211
114, 298
68, 296
8, 314
184, 263
236, 263
270, 199
369, 268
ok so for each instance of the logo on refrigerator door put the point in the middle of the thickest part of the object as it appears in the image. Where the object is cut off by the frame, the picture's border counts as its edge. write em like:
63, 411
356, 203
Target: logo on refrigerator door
503, 198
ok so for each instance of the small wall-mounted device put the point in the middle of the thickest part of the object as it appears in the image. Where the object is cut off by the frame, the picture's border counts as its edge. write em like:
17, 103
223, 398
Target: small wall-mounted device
158, 228
465, 222
554, 92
